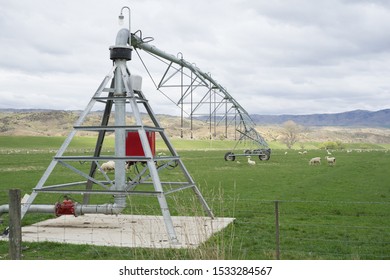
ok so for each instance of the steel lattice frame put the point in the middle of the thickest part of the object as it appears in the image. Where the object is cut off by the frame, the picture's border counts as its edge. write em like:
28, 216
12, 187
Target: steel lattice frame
126, 100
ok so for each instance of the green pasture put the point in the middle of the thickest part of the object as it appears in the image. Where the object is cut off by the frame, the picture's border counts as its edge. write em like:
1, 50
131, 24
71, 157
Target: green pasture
325, 212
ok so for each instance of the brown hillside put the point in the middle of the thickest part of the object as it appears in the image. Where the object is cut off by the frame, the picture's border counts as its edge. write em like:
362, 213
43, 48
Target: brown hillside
59, 123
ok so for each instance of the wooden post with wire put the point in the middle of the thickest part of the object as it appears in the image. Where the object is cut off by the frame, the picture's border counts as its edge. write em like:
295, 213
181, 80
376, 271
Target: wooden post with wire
15, 229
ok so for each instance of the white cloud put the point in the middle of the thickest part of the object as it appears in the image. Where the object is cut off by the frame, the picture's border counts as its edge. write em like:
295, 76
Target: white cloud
274, 57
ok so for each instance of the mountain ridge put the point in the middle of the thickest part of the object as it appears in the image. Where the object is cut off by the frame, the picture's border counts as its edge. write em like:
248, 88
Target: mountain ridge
355, 118
46, 122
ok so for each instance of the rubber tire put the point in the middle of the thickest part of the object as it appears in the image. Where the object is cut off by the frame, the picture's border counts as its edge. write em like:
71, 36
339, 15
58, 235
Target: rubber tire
229, 156
264, 156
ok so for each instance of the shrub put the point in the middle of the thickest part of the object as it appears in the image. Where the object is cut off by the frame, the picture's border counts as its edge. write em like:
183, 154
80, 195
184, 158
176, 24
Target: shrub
331, 145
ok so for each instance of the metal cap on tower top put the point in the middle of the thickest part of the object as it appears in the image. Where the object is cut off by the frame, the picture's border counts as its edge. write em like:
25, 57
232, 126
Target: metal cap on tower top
122, 48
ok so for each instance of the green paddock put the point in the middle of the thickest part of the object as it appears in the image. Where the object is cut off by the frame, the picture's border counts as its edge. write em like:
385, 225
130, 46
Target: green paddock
325, 212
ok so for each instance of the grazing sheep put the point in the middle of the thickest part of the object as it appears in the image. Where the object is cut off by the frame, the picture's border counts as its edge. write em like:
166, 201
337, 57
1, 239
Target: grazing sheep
108, 166
315, 160
251, 162
331, 160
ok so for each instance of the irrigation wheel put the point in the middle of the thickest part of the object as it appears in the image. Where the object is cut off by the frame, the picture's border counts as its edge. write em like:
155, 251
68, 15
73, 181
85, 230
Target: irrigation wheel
229, 156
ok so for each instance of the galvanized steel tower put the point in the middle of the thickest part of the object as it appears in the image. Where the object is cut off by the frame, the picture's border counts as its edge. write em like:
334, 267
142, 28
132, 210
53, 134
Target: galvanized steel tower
134, 147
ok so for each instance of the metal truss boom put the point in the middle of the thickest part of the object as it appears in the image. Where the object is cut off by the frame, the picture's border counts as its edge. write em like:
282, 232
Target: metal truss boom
215, 95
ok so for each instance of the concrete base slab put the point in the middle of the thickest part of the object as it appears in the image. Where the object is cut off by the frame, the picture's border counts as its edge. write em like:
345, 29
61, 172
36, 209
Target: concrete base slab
124, 230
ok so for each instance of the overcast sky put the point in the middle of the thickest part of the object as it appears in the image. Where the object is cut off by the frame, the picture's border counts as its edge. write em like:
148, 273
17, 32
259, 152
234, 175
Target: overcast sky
274, 57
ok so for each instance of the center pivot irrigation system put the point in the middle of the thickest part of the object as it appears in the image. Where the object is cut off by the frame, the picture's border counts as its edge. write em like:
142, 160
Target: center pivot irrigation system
137, 167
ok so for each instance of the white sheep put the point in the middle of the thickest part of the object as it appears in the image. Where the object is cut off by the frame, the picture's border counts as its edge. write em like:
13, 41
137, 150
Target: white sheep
315, 160
251, 162
108, 166
331, 160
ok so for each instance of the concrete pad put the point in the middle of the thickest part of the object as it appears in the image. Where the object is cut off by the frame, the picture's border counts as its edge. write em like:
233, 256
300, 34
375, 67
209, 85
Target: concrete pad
124, 230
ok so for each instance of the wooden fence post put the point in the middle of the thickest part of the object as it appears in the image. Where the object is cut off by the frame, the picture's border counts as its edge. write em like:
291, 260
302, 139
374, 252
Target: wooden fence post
15, 229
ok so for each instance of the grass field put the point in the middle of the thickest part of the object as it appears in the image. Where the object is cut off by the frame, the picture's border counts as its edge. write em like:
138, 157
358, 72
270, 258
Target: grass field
325, 212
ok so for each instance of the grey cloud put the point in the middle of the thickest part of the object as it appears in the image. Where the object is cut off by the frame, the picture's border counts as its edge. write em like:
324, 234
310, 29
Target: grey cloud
292, 56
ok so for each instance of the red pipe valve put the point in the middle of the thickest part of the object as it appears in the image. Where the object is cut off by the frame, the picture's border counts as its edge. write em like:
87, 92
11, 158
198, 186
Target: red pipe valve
66, 207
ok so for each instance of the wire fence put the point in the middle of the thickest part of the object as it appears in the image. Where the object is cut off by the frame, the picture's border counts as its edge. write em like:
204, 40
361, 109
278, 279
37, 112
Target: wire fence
259, 230
323, 229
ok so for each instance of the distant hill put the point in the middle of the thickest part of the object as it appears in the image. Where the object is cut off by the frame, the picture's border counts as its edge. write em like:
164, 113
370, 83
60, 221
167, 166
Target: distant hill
348, 127
357, 118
